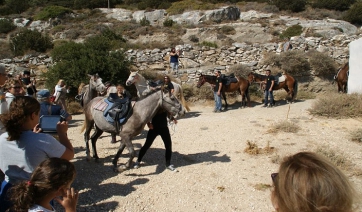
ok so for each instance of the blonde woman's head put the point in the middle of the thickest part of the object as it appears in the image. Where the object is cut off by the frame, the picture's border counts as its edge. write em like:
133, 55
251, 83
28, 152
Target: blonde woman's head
61, 82
310, 183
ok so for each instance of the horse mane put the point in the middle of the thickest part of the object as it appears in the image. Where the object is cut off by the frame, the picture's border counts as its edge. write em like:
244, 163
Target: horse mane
80, 88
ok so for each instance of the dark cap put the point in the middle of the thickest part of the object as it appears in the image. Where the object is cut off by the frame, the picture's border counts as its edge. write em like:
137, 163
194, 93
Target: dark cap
26, 72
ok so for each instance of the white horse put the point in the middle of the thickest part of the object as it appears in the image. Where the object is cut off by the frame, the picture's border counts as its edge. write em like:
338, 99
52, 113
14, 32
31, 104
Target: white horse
143, 88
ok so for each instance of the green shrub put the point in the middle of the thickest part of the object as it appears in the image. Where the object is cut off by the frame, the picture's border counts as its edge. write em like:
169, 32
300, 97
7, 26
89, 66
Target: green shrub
240, 70
144, 22
52, 12
322, 64
73, 61
294, 6
292, 31
339, 5
30, 40
6, 25
209, 44
354, 14
168, 23
17, 6
338, 106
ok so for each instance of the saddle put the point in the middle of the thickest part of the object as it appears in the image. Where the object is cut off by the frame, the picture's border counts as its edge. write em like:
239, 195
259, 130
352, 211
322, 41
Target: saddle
227, 80
115, 110
152, 86
279, 78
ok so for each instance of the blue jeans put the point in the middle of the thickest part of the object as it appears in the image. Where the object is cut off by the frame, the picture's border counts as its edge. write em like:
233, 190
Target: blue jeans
217, 98
174, 66
268, 93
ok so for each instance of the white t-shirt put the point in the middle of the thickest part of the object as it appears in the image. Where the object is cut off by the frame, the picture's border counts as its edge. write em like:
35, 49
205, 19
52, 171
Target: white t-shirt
38, 208
18, 159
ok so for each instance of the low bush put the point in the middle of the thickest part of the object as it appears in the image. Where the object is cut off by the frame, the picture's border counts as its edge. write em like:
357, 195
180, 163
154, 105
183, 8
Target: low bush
30, 40
253, 149
284, 126
294, 30
354, 14
338, 106
356, 135
168, 23
240, 70
302, 94
294, 6
227, 30
209, 44
6, 25
322, 64
52, 12
144, 22
194, 38
179, 7
5, 51
293, 62
339, 5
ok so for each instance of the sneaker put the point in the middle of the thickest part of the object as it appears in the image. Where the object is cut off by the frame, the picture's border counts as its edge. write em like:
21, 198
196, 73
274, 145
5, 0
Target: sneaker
218, 111
214, 110
171, 168
264, 105
136, 165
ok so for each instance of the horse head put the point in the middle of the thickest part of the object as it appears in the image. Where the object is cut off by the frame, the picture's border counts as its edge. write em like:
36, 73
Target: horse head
171, 104
95, 83
201, 81
133, 78
251, 77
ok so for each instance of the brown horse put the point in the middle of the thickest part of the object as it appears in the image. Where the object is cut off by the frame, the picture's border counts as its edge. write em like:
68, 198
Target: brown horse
290, 85
342, 78
242, 85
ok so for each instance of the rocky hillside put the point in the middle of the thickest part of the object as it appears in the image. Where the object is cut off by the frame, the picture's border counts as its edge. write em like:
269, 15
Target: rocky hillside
241, 38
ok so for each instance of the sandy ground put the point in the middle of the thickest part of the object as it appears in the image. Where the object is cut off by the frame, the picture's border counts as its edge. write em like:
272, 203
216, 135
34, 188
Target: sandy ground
214, 172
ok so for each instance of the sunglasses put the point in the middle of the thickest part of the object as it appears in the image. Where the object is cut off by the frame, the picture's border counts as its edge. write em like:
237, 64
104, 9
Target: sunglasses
16, 87
274, 177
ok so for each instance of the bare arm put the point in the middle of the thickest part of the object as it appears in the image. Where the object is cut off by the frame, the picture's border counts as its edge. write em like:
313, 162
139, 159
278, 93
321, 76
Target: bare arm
62, 128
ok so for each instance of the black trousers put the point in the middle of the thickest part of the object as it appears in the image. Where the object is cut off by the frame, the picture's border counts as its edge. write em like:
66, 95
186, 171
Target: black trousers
151, 135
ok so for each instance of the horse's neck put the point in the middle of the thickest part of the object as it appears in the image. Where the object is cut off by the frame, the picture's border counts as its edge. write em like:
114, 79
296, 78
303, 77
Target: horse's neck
148, 107
210, 79
141, 85
89, 94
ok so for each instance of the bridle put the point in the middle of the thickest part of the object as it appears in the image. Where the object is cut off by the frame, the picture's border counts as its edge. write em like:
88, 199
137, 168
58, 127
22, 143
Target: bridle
170, 103
201, 82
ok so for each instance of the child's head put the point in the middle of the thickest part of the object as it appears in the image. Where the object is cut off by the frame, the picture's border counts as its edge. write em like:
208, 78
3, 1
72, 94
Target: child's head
52, 177
308, 182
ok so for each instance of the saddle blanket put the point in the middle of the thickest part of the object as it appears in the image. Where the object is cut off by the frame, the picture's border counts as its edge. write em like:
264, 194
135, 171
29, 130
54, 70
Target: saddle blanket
101, 105
281, 79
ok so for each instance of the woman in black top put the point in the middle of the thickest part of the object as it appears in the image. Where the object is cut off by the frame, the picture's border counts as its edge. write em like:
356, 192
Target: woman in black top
158, 126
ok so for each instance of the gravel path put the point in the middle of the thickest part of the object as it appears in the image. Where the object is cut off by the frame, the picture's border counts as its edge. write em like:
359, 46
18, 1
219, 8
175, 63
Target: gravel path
214, 172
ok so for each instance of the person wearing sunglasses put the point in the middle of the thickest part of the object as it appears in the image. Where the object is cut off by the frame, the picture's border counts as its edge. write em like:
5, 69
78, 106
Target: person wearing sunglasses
12, 89
309, 182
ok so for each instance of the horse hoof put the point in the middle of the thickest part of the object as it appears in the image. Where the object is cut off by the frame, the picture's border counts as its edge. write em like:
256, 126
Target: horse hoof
121, 168
88, 159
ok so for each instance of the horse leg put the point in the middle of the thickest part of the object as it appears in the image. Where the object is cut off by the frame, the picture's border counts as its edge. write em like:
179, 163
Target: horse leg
127, 142
119, 152
94, 139
224, 96
86, 138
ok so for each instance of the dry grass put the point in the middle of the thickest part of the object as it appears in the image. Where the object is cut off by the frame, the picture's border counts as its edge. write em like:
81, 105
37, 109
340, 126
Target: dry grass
284, 126
74, 108
262, 186
253, 149
339, 159
338, 106
302, 94
356, 135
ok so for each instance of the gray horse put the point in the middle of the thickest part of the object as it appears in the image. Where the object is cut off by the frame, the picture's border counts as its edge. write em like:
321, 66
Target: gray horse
142, 112
87, 92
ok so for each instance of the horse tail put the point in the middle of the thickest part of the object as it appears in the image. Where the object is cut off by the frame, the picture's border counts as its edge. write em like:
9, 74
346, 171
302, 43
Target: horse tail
295, 89
183, 101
